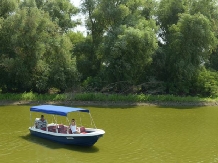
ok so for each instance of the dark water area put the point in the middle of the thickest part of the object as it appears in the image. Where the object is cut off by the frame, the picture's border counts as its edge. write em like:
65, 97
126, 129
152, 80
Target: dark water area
139, 134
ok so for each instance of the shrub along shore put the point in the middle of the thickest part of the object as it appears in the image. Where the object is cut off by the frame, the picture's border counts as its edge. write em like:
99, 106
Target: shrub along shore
99, 99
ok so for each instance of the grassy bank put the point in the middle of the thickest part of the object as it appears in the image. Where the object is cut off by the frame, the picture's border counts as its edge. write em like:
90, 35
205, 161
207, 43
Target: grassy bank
30, 96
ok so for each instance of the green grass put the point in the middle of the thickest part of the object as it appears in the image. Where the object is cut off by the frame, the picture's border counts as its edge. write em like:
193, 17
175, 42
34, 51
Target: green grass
138, 98
30, 96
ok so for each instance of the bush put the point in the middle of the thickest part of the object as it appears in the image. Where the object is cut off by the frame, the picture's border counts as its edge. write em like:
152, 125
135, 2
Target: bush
207, 84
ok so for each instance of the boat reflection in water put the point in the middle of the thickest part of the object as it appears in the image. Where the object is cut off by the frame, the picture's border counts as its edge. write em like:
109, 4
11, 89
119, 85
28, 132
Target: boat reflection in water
60, 132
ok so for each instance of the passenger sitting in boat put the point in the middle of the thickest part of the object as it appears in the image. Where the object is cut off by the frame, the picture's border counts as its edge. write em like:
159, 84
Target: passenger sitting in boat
73, 127
41, 123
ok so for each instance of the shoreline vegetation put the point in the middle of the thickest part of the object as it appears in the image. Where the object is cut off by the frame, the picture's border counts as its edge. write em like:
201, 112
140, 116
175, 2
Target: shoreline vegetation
100, 99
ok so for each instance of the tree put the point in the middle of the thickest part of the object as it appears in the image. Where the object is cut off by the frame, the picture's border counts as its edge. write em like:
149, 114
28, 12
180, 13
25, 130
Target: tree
129, 53
61, 12
213, 61
7, 7
168, 14
121, 40
188, 37
191, 42
129, 43
87, 51
33, 53
208, 8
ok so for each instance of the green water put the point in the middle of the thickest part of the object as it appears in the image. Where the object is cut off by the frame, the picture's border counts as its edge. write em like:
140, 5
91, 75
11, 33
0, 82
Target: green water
145, 134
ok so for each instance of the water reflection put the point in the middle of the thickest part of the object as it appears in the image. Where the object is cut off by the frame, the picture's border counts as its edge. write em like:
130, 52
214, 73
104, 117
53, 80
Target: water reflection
54, 145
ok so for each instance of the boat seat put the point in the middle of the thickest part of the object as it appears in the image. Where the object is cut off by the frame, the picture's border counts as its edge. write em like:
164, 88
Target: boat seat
43, 128
52, 128
61, 129
82, 130
65, 130
70, 131
60, 126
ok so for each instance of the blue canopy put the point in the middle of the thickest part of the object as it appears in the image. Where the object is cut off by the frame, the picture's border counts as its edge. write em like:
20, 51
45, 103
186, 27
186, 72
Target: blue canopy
57, 110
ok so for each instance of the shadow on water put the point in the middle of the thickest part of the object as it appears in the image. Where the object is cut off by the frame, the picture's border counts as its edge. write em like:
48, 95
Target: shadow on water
117, 105
54, 145
110, 106
157, 104
164, 106
181, 106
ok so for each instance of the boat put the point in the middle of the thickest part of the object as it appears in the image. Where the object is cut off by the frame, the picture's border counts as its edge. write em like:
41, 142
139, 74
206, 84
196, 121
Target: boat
61, 133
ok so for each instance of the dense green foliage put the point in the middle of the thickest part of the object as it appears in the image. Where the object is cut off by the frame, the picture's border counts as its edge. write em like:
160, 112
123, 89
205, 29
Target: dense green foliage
34, 55
131, 46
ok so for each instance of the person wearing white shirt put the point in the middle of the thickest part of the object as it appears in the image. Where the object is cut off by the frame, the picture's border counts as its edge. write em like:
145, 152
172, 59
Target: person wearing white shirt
73, 127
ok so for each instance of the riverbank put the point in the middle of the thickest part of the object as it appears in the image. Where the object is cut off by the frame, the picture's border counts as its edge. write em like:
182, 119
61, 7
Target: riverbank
100, 99
106, 103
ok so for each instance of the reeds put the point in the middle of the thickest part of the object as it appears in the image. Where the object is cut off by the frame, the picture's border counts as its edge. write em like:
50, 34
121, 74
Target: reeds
139, 98
30, 96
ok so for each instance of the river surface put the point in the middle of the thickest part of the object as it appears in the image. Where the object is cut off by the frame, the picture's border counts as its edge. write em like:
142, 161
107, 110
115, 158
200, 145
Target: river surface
145, 134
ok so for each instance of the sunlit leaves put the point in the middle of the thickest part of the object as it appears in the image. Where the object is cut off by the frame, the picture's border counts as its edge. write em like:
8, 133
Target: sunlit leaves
123, 37
61, 11
168, 13
130, 53
32, 41
191, 42
7, 7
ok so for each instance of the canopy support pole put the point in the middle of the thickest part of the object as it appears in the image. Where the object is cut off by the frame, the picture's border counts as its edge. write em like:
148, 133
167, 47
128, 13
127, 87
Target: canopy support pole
92, 121
80, 119
30, 120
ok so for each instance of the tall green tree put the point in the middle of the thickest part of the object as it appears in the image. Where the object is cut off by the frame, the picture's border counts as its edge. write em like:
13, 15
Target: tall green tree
129, 54
121, 39
61, 12
188, 37
168, 14
130, 41
7, 7
87, 51
191, 42
208, 8
33, 54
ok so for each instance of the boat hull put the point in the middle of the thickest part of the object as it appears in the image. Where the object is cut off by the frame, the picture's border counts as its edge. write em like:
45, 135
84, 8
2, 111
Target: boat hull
73, 139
